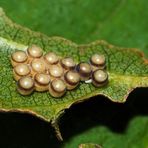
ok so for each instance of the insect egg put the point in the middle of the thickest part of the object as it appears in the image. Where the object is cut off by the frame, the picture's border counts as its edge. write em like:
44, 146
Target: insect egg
97, 61
56, 71
38, 66
57, 88
84, 70
18, 57
34, 51
41, 81
68, 63
51, 58
99, 78
21, 70
72, 79
25, 85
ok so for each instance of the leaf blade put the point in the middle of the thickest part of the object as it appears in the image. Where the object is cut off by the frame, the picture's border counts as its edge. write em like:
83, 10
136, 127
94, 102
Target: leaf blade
127, 70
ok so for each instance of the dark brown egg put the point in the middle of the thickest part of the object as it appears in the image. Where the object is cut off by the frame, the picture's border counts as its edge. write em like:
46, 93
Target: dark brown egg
84, 70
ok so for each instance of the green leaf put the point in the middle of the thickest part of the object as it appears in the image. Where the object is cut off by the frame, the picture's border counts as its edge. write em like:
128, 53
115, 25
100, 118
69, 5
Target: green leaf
122, 23
127, 70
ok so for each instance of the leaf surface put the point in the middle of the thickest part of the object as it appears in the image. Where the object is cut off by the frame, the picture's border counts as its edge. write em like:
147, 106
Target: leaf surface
127, 70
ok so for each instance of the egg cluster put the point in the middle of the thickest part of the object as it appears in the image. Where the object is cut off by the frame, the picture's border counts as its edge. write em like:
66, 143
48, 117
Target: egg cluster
34, 70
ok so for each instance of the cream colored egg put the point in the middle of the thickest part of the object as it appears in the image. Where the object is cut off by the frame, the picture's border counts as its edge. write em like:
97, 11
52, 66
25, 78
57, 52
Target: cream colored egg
25, 85
21, 70
72, 79
99, 78
41, 82
57, 88
18, 57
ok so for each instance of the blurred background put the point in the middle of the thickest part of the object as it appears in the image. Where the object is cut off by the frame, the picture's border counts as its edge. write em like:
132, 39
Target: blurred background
120, 22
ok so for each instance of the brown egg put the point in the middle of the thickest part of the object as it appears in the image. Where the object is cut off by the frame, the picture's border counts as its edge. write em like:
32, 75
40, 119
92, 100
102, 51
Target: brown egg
34, 51
84, 70
38, 66
51, 58
25, 85
97, 61
57, 88
18, 57
21, 70
68, 63
41, 82
72, 79
99, 78
56, 71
